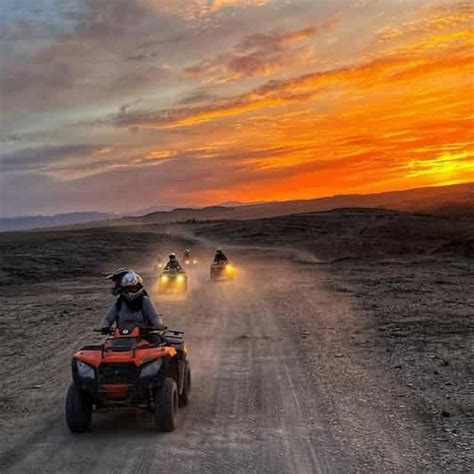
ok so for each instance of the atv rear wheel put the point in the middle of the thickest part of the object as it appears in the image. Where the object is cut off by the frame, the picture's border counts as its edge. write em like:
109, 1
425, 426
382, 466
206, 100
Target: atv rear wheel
166, 410
78, 409
186, 395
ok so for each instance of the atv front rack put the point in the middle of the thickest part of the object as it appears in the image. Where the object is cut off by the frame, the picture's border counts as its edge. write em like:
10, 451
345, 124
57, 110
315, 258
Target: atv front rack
168, 338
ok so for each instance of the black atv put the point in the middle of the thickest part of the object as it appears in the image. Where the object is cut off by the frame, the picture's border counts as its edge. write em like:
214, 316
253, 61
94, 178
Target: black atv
173, 282
222, 271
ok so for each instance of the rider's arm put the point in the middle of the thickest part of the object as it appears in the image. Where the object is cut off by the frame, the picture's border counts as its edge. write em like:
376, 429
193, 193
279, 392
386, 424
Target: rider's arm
152, 314
110, 317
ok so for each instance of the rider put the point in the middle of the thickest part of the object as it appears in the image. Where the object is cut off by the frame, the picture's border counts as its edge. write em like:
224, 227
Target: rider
173, 263
187, 254
220, 257
133, 307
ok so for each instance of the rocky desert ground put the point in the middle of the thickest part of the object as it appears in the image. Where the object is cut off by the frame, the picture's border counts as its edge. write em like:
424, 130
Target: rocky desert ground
344, 345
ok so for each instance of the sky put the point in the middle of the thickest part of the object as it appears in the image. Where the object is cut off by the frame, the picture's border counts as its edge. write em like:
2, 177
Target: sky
120, 105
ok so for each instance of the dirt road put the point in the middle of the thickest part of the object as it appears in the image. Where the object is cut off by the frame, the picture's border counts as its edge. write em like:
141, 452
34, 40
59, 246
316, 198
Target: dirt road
278, 386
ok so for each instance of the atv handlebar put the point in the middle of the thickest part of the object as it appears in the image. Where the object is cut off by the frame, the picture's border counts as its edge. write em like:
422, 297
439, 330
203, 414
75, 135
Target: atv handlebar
104, 331
144, 329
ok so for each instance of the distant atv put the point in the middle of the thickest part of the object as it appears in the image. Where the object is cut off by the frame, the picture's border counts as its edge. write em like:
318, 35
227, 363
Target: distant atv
129, 370
173, 282
222, 271
187, 258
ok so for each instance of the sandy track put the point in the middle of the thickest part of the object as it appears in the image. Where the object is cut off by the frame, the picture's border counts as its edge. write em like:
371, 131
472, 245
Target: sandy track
271, 393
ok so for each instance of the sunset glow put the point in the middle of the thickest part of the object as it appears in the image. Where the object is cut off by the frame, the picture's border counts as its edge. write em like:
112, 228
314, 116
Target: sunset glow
165, 102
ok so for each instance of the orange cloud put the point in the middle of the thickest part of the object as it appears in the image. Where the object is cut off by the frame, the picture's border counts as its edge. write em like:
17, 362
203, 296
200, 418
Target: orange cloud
192, 9
447, 168
429, 21
386, 75
260, 54
399, 118
391, 123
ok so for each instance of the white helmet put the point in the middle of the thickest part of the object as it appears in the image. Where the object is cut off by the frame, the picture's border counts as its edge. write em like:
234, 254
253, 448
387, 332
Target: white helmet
131, 285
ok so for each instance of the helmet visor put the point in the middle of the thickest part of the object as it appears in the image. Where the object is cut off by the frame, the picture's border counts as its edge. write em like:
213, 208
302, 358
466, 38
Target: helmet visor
131, 289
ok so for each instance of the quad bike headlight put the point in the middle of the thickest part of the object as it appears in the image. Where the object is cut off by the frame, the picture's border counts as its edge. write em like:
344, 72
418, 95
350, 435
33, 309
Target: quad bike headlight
164, 278
151, 369
84, 370
180, 279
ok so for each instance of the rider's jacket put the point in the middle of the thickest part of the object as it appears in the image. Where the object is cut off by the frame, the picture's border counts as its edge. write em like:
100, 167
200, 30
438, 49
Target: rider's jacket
220, 258
127, 314
173, 266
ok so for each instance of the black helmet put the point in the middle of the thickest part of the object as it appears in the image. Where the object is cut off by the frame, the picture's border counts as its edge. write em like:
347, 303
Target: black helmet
172, 256
117, 275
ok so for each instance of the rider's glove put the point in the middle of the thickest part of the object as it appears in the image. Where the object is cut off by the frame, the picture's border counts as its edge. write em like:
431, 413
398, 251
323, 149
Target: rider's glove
105, 330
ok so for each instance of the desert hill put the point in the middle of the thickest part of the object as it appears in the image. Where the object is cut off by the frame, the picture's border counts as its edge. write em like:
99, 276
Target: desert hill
455, 200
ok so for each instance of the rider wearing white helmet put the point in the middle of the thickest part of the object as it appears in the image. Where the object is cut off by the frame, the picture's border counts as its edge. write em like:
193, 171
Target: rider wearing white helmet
173, 263
133, 307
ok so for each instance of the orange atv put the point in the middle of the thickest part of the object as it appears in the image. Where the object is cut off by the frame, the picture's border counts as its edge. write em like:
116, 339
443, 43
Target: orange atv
142, 367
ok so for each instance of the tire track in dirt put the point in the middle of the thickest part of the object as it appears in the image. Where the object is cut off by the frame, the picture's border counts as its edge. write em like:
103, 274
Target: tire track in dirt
249, 423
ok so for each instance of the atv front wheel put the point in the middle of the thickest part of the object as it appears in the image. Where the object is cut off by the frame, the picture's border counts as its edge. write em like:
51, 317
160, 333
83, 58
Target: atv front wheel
186, 395
78, 409
166, 411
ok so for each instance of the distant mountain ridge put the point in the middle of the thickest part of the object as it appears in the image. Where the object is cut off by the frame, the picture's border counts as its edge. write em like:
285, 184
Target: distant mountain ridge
455, 200
33, 222
169, 208
446, 200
